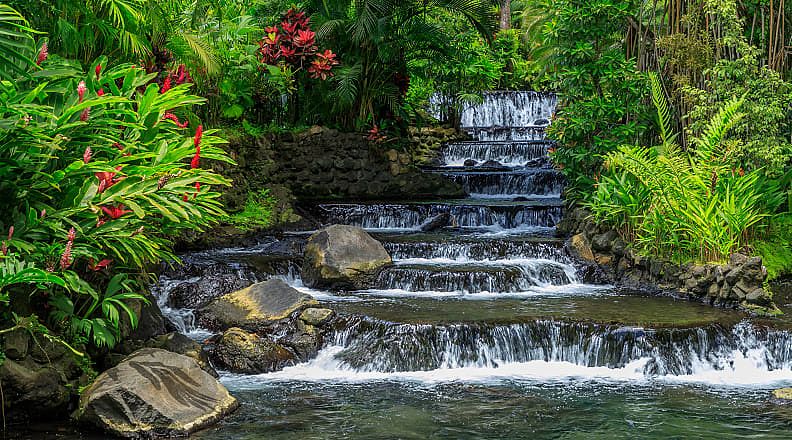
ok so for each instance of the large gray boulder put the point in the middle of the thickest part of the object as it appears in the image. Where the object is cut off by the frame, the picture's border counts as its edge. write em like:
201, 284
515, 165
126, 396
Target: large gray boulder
154, 393
241, 352
342, 257
256, 308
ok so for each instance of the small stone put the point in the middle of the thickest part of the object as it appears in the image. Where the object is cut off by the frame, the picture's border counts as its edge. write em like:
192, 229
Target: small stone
392, 155
314, 316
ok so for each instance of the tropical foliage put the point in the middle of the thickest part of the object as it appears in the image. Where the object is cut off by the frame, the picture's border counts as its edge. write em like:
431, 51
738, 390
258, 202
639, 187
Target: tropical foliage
687, 205
97, 171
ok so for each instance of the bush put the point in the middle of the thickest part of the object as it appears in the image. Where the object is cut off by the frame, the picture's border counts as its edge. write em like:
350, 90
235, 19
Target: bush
97, 174
694, 205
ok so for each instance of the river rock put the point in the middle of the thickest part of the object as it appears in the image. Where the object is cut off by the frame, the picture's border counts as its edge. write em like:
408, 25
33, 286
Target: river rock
342, 257
150, 324
255, 308
241, 352
154, 393
542, 122
437, 222
783, 395
38, 376
492, 164
214, 283
470, 163
174, 342
315, 316
579, 246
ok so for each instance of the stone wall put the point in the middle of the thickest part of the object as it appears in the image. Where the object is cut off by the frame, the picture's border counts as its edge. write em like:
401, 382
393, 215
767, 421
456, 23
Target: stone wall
740, 282
325, 164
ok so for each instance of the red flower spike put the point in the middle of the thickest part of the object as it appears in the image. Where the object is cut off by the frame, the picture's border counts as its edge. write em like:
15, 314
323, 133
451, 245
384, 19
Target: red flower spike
86, 114
185, 198
81, 89
195, 162
198, 137
10, 232
100, 92
197, 188
98, 70
42, 55
115, 212
66, 256
166, 85
87, 155
175, 119
100, 221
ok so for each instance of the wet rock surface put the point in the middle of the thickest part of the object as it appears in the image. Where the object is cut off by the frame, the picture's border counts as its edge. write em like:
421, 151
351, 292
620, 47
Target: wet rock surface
152, 393
241, 352
342, 257
255, 308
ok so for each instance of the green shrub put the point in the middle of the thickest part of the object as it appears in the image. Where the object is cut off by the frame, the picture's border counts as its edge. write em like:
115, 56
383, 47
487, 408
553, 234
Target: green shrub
257, 212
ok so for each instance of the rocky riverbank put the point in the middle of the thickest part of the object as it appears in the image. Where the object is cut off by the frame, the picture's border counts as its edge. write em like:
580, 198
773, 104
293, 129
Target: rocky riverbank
738, 283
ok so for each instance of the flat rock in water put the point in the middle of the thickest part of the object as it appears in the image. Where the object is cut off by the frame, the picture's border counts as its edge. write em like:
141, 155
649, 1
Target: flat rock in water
256, 307
241, 352
154, 393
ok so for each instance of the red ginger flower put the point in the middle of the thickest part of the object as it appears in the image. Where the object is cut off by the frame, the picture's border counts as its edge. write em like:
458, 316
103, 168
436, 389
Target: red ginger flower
182, 75
86, 114
166, 85
100, 92
81, 90
42, 55
10, 232
116, 211
198, 137
98, 70
87, 155
175, 119
107, 179
66, 256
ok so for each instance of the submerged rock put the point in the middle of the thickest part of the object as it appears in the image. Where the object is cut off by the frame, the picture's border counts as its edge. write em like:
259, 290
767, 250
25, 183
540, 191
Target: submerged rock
470, 163
437, 222
255, 308
152, 393
492, 164
342, 257
241, 352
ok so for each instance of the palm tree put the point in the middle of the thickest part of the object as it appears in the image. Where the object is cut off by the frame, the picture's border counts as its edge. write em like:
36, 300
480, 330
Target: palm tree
376, 37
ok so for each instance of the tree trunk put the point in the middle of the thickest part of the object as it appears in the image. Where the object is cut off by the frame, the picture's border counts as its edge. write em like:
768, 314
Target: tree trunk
505, 14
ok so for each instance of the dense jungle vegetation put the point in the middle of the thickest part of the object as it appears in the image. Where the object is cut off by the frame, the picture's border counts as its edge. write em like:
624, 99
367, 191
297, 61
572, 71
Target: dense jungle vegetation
674, 125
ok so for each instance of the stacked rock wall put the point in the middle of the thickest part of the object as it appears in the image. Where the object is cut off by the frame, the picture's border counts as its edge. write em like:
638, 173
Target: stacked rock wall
322, 163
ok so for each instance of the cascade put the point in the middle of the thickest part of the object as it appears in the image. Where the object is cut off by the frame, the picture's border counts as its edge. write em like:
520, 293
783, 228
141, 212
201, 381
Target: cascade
491, 305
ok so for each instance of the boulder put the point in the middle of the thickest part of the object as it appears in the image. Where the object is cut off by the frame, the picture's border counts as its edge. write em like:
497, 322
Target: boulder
542, 122
241, 352
173, 341
255, 308
603, 242
437, 222
151, 323
38, 376
195, 294
580, 247
470, 163
152, 393
342, 257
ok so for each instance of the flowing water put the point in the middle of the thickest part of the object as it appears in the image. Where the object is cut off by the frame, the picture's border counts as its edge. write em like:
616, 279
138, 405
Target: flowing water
488, 329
